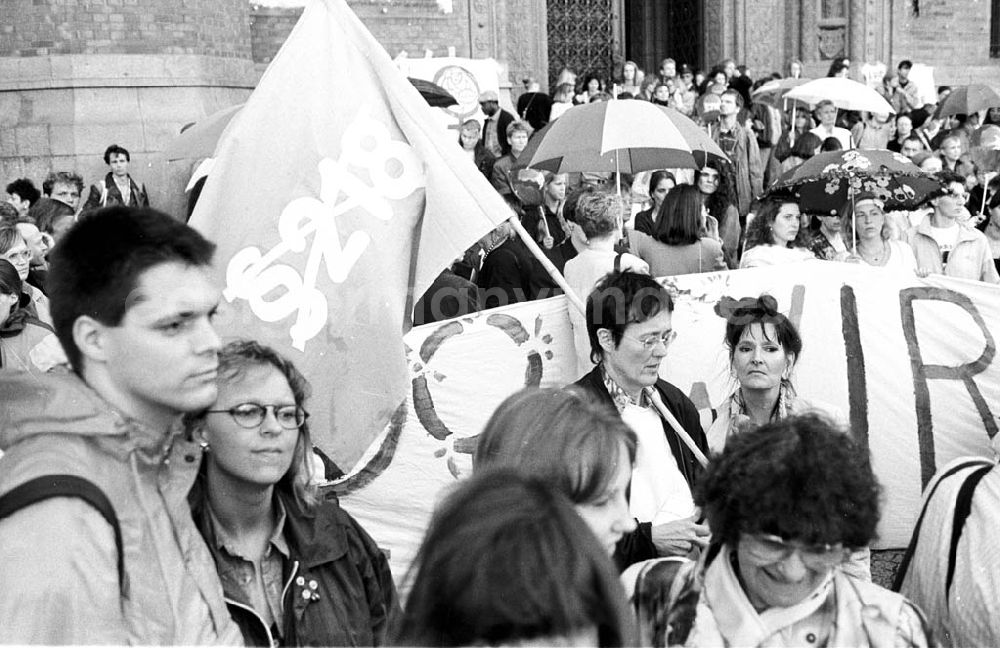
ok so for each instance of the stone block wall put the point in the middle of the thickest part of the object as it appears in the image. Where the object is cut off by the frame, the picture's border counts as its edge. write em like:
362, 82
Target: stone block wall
951, 35
47, 27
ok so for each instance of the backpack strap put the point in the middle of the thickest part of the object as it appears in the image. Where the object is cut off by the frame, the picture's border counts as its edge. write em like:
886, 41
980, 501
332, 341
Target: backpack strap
963, 506
49, 486
904, 565
618, 262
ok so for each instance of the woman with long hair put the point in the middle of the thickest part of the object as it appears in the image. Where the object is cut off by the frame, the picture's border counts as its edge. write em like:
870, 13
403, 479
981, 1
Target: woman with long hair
871, 236
719, 196
775, 235
680, 243
785, 148
507, 561
296, 569
660, 183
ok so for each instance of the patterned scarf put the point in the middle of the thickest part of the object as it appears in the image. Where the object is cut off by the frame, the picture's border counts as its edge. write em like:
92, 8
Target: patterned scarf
739, 420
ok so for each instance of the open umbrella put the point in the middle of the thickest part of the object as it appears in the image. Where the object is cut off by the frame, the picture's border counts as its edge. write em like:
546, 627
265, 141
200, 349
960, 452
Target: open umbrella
826, 182
618, 136
773, 93
199, 140
844, 93
965, 100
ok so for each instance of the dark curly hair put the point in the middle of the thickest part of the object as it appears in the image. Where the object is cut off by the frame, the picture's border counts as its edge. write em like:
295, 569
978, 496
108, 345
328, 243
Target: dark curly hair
801, 478
759, 228
718, 202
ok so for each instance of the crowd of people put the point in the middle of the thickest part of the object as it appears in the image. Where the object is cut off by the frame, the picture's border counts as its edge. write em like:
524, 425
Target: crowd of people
160, 487
955, 231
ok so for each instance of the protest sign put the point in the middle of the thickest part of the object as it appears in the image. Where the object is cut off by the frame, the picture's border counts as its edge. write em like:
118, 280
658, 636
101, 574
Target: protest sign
909, 362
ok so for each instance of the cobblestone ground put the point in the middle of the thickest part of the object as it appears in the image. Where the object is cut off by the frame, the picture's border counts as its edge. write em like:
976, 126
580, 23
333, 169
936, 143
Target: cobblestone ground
884, 566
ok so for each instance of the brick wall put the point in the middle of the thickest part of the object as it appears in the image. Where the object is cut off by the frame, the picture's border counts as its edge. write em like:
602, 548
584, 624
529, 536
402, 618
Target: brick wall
45, 27
410, 25
953, 36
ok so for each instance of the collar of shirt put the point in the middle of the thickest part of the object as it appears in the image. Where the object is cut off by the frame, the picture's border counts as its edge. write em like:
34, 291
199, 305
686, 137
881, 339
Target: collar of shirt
224, 540
620, 397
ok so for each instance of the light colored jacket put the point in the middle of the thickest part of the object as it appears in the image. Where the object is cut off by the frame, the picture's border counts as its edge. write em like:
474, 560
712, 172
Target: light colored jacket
58, 560
971, 258
748, 167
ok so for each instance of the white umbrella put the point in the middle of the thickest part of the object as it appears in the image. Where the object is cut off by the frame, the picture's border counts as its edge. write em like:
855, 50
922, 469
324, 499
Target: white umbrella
844, 93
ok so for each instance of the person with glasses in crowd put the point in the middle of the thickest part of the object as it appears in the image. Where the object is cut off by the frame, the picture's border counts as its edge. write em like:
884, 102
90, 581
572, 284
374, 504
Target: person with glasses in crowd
942, 244
296, 569
787, 504
630, 328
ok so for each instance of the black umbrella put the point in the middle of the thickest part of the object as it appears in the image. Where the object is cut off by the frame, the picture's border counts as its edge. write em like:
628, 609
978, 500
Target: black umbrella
433, 94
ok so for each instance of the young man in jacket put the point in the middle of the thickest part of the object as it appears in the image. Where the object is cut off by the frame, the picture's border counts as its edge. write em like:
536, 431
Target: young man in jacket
629, 326
132, 304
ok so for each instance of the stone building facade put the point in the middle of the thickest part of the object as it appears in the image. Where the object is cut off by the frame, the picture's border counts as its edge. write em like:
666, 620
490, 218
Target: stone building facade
77, 75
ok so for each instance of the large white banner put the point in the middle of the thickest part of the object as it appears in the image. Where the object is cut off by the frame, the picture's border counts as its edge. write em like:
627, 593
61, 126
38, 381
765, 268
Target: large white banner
909, 361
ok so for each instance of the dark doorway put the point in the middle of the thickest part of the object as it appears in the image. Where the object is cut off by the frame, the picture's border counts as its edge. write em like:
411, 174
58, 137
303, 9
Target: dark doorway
659, 29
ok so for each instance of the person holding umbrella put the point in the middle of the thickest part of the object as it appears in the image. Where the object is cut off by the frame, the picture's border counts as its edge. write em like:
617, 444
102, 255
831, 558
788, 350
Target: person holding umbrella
871, 235
942, 245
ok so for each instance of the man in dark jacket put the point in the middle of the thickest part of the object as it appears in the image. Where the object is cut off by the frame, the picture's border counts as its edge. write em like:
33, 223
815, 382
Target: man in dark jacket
629, 326
496, 123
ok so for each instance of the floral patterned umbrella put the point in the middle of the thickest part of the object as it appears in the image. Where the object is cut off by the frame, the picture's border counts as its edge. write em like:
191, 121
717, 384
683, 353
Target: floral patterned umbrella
828, 181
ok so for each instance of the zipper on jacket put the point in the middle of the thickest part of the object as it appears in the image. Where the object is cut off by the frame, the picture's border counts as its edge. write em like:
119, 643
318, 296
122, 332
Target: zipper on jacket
267, 630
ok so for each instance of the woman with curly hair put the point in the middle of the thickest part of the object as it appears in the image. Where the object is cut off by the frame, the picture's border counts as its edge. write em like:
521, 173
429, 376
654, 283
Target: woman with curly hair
680, 243
720, 199
787, 505
774, 235
506, 561
296, 570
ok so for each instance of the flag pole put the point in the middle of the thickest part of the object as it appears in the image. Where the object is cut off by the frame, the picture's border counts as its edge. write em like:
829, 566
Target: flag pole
546, 263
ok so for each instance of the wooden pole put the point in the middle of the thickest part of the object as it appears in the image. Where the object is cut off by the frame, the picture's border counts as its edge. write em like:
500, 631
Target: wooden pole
546, 263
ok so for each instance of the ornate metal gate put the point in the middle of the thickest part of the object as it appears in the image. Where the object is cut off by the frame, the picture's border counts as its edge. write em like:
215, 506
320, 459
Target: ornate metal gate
581, 37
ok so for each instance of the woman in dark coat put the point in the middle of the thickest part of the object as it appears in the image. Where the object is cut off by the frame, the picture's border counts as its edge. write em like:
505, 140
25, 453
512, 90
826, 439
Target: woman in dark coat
296, 570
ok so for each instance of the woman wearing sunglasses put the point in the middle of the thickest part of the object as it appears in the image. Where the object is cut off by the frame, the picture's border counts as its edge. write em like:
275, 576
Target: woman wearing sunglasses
786, 505
296, 569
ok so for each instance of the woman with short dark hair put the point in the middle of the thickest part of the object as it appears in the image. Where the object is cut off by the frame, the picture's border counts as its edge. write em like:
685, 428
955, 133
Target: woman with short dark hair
507, 561
787, 505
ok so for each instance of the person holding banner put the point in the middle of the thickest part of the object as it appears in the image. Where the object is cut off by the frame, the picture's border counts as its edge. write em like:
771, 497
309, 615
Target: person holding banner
576, 446
506, 561
296, 569
630, 329
786, 505
775, 236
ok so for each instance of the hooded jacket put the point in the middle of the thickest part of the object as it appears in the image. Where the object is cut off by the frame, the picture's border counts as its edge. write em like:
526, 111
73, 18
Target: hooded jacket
58, 560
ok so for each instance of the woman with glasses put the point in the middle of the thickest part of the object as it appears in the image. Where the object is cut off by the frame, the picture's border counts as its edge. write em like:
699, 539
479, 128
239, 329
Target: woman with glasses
296, 569
786, 505
14, 248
